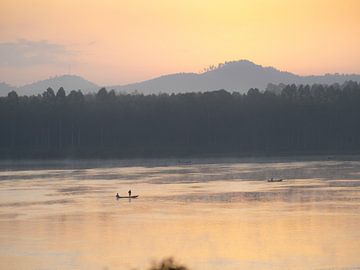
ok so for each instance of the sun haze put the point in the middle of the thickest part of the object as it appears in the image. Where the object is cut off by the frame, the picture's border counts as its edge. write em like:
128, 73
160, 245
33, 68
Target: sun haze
116, 42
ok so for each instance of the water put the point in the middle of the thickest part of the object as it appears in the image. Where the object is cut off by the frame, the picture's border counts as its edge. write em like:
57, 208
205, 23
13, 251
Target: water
208, 214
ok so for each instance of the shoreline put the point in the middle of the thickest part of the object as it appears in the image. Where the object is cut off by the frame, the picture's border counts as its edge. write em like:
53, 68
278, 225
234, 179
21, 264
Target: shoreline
90, 162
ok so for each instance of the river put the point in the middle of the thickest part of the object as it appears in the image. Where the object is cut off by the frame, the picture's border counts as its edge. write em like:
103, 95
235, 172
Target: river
206, 213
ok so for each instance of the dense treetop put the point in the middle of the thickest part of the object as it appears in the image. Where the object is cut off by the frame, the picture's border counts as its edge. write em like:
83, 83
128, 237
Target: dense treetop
283, 119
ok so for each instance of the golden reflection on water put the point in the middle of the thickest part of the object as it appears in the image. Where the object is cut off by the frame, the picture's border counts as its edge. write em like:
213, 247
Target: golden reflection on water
208, 216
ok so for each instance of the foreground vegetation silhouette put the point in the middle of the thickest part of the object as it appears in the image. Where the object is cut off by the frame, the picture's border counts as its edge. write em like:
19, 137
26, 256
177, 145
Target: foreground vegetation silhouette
284, 119
167, 264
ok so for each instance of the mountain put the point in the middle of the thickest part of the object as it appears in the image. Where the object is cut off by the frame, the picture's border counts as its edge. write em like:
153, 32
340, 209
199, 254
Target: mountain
5, 88
68, 82
232, 76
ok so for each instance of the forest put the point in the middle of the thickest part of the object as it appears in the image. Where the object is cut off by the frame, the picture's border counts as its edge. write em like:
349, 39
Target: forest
297, 119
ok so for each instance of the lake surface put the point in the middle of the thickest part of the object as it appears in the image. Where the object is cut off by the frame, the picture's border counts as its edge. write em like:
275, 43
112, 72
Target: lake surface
208, 214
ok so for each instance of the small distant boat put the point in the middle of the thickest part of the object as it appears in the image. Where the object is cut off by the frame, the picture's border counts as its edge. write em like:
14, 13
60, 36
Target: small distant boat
127, 197
275, 180
185, 162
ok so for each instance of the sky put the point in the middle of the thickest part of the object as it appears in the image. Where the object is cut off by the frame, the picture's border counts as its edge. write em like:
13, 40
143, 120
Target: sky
117, 42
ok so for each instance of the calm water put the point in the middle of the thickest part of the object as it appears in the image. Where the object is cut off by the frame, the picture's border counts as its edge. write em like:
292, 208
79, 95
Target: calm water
208, 214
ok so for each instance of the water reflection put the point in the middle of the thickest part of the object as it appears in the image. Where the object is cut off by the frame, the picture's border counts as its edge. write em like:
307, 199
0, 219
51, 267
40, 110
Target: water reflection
222, 215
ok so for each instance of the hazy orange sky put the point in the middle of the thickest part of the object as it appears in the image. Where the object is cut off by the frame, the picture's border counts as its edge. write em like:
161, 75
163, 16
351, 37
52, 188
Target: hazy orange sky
116, 42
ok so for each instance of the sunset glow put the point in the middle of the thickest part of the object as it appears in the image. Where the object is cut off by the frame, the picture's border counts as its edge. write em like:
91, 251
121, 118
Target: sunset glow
116, 42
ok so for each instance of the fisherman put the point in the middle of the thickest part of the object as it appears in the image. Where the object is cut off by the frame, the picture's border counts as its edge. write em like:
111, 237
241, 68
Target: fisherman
129, 192
117, 196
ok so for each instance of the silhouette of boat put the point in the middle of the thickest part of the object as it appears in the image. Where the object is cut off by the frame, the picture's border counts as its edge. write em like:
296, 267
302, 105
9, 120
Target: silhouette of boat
127, 197
275, 180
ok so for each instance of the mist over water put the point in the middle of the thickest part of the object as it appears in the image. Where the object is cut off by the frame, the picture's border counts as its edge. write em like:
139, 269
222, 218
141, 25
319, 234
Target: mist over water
208, 214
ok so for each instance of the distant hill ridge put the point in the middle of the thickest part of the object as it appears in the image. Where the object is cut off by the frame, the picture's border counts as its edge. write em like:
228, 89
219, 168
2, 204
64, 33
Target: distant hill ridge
68, 82
232, 76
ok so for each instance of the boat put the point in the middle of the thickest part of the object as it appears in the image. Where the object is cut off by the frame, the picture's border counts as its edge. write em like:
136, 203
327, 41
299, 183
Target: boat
275, 180
127, 197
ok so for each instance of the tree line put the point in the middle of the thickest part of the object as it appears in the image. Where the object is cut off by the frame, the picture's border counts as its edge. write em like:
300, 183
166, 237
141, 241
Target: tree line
298, 119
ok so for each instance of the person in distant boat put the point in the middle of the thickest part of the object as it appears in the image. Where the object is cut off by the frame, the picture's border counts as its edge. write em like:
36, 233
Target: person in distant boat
117, 196
129, 192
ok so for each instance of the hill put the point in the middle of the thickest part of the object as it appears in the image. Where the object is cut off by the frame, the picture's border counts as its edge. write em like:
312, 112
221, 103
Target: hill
6, 88
68, 82
232, 76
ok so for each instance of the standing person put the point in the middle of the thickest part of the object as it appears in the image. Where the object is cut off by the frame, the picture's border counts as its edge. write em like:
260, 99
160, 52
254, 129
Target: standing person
129, 192
117, 196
